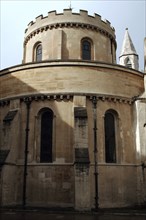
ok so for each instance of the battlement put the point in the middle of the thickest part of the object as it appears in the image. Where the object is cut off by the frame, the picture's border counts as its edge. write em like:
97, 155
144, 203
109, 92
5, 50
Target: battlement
69, 17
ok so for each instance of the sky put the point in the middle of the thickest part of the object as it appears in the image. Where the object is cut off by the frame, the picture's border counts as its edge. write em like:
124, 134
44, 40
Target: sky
16, 14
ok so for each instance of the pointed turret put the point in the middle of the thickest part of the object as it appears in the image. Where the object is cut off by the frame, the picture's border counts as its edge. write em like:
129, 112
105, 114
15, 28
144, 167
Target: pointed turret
145, 54
129, 56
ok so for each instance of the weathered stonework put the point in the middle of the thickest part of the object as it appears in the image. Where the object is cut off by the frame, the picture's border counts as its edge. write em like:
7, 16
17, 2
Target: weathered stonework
58, 29
67, 85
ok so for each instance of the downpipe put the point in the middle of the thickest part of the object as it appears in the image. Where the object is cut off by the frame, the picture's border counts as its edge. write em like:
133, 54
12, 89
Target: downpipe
28, 103
94, 102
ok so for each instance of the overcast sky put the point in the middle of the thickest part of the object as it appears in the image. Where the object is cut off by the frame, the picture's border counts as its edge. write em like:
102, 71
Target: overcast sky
15, 15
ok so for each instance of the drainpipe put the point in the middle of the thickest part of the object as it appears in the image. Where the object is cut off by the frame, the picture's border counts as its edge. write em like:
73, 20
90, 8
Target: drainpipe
94, 101
0, 186
27, 102
143, 169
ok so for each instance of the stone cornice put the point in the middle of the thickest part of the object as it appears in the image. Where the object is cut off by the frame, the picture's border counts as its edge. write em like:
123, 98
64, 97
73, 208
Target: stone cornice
67, 97
69, 19
58, 63
70, 25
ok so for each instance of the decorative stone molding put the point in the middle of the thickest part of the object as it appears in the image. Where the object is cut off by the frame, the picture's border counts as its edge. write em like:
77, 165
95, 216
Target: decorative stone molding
46, 97
142, 99
70, 62
68, 19
115, 99
69, 25
61, 97
4, 103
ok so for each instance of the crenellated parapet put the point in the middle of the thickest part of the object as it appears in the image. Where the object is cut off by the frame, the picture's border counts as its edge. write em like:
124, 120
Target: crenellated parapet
68, 19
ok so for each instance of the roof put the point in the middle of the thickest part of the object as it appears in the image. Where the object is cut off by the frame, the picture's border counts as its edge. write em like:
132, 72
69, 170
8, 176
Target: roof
128, 46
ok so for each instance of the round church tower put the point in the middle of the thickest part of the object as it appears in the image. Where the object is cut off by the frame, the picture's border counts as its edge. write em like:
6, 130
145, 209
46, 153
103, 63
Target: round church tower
68, 118
69, 36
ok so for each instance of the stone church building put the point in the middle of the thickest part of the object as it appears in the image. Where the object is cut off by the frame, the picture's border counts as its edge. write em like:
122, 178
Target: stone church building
73, 121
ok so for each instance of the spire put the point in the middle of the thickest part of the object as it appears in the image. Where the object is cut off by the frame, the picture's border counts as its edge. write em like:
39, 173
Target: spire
129, 56
128, 47
145, 54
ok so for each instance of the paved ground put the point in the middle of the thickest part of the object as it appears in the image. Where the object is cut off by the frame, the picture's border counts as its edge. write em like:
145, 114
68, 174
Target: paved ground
31, 215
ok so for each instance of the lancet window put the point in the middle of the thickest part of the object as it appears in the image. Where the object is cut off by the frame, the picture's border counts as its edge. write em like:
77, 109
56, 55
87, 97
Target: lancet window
110, 136
86, 49
46, 139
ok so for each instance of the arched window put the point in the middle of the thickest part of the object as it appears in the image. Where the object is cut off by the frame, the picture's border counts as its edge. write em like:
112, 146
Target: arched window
128, 63
86, 49
46, 135
38, 53
110, 137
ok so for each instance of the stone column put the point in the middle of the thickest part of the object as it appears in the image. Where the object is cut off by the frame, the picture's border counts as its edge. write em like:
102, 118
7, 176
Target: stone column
82, 181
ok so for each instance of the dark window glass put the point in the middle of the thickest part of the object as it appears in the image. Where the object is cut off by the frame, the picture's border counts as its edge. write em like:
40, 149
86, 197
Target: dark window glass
128, 63
86, 50
3, 156
39, 53
46, 136
110, 143
10, 116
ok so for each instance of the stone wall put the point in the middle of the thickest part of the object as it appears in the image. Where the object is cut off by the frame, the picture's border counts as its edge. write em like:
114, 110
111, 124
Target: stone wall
69, 180
55, 33
68, 89
58, 77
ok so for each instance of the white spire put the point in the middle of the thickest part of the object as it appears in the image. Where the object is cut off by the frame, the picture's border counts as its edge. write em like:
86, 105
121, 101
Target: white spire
145, 54
128, 47
129, 56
